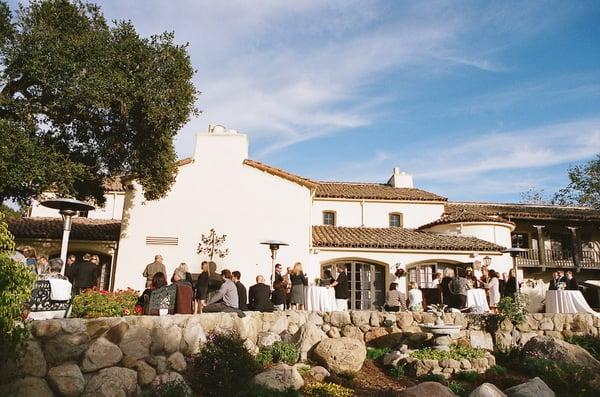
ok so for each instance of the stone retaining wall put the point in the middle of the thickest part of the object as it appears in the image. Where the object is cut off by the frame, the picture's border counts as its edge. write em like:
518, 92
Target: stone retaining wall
75, 357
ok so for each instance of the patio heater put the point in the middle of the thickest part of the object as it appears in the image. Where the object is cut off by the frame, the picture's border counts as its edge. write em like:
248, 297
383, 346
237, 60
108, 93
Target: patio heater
67, 208
514, 252
274, 247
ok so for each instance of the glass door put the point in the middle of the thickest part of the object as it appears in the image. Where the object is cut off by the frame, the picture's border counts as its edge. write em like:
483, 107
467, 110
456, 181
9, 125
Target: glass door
366, 284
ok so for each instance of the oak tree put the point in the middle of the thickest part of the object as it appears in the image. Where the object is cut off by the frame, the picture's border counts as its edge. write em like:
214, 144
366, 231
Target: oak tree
82, 100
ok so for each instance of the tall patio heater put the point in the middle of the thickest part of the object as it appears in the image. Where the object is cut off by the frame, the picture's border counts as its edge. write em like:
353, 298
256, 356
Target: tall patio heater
67, 208
274, 247
514, 252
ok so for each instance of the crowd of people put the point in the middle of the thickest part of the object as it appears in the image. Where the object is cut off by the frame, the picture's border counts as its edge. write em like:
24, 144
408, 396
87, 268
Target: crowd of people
452, 289
82, 274
224, 292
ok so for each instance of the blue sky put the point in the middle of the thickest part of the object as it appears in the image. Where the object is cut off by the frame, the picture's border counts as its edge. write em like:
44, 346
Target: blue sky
478, 100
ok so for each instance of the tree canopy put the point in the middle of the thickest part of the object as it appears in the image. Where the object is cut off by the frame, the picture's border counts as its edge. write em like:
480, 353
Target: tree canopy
82, 100
584, 186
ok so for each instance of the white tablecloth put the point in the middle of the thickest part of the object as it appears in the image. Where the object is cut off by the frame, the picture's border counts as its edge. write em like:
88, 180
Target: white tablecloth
476, 297
320, 299
564, 301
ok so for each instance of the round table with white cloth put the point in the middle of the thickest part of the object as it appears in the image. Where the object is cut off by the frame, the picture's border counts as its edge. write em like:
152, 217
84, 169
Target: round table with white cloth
320, 299
476, 298
566, 301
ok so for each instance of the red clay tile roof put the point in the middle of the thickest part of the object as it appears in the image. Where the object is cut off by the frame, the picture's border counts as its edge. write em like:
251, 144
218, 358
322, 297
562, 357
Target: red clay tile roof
52, 228
281, 173
395, 238
528, 211
373, 191
466, 216
114, 184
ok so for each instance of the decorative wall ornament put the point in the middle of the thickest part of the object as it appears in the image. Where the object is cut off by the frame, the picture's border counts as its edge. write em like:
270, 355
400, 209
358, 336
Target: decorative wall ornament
211, 245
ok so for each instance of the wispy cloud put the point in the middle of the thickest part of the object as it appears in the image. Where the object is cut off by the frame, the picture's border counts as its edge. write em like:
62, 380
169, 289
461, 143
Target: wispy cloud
296, 71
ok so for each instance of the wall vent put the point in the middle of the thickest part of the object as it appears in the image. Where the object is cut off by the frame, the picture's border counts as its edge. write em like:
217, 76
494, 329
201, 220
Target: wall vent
161, 240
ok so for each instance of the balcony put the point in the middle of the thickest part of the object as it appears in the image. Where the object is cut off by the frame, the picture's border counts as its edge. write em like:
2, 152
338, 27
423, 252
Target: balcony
553, 258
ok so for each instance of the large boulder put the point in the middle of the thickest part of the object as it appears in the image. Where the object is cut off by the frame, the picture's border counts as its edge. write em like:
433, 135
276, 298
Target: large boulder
193, 337
145, 373
533, 387
27, 387
308, 336
32, 362
46, 328
280, 377
136, 342
487, 390
481, 339
429, 389
112, 382
67, 380
101, 354
66, 347
267, 339
339, 319
341, 355
177, 362
560, 351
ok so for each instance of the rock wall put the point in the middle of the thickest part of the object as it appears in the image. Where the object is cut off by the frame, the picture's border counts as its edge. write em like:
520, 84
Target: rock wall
75, 357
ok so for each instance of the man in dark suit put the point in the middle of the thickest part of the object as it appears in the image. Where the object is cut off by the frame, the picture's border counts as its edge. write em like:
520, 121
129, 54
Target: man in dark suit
554, 282
85, 274
278, 275
241, 289
260, 296
571, 282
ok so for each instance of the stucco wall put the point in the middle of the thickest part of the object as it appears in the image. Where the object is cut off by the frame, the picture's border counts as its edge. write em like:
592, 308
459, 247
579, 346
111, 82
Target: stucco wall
376, 213
494, 233
216, 191
113, 209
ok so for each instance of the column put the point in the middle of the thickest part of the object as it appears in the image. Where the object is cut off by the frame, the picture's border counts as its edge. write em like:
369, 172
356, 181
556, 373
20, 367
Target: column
541, 249
575, 246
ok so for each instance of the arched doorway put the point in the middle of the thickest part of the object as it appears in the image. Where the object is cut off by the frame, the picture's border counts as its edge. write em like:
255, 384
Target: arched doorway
366, 282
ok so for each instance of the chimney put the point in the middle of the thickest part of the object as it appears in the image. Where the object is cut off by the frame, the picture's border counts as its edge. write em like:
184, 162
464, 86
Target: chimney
220, 145
400, 179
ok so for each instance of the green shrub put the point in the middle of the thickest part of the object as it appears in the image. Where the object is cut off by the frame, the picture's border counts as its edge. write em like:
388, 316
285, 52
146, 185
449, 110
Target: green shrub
513, 309
93, 303
327, 390
468, 376
223, 367
459, 389
376, 353
432, 378
455, 353
497, 370
173, 388
588, 342
565, 379
16, 284
279, 352
397, 372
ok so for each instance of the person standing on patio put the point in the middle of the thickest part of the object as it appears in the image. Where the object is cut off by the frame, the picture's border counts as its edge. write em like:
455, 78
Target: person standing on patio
571, 282
458, 287
85, 274
342, 292
152, 268
299, 281
260, 296
493, 286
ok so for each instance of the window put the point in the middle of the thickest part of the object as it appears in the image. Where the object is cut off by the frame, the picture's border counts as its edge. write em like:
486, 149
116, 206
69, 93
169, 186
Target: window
520, 240
83, 214
395, 219
329, 218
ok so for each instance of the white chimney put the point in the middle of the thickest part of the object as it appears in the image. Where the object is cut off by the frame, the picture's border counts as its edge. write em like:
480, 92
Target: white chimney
400, 179
220, 145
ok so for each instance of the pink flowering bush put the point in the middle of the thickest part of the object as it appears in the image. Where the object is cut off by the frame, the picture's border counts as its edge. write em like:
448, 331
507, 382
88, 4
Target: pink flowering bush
94, 303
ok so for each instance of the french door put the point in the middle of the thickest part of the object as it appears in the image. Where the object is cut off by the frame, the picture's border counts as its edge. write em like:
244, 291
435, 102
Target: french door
366, 283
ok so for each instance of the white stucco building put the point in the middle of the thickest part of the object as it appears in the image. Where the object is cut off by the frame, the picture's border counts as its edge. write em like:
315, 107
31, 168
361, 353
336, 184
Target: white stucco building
371, 228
